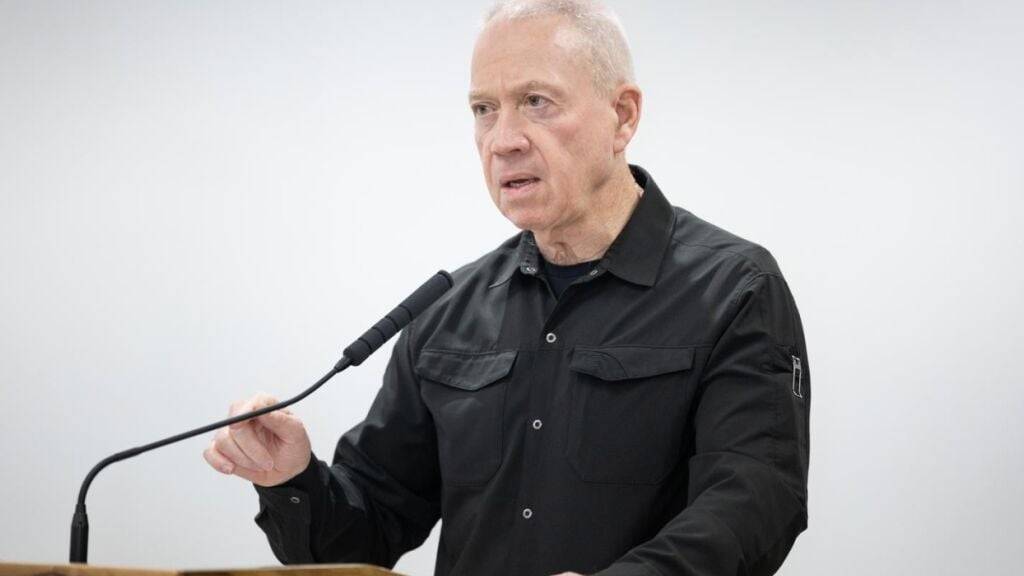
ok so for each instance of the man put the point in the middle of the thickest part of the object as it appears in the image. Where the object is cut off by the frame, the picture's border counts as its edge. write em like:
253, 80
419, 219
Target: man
620, 389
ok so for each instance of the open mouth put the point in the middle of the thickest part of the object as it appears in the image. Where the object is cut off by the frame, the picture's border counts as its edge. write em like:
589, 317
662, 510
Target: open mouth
516, 183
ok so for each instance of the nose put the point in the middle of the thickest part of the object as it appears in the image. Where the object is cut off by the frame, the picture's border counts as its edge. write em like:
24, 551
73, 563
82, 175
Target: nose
507, 135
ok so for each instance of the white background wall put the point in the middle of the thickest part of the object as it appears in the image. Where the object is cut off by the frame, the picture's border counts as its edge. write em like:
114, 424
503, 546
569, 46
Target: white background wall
200, 200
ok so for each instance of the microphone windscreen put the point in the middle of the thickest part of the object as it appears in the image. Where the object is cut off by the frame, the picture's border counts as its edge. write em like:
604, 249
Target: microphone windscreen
410, 308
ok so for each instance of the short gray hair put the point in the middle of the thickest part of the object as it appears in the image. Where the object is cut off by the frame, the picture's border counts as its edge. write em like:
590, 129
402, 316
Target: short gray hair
602, 33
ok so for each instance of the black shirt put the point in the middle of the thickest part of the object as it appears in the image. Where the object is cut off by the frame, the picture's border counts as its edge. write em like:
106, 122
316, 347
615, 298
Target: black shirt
652, 420
559, 277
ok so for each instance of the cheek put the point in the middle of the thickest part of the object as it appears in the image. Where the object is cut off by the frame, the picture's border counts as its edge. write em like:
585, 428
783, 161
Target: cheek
570, 153
485, 164
591, 152
480, 133
481, 150
478, 138
573, 137
586, 141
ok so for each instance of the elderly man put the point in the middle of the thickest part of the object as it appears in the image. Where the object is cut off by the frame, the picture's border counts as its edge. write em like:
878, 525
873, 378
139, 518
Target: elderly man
619, 389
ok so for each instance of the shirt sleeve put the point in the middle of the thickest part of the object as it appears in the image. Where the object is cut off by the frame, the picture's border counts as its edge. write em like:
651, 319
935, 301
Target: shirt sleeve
381, 495
747, 495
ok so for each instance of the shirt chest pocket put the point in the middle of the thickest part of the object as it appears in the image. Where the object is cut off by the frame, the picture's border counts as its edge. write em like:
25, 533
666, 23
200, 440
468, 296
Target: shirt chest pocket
628, 412
466, 395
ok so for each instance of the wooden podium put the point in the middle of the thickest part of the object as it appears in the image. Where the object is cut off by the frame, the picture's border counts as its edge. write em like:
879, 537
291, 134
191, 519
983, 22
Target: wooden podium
12, 569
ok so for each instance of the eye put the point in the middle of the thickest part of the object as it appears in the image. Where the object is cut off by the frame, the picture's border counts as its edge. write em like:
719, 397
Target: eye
535, 100
480, 109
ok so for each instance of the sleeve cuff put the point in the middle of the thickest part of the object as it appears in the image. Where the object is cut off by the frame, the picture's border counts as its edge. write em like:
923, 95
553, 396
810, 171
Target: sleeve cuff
308, 480
294, 494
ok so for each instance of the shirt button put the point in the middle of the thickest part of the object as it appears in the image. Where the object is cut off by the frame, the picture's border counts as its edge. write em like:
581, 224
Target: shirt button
295, 499
551, 337
537, 424
527, 513
593, 272
530, 269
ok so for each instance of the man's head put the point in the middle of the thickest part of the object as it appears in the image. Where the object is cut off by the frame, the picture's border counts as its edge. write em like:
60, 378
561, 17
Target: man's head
555, 105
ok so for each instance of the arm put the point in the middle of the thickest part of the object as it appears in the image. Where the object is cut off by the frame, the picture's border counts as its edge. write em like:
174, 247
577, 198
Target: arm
747, 497
381, 496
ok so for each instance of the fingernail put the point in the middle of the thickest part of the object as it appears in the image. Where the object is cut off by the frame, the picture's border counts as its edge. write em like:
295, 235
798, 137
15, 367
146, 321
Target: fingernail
226, 469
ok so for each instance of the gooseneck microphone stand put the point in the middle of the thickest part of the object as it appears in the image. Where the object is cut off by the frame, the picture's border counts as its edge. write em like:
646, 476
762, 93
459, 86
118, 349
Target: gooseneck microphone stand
353, 355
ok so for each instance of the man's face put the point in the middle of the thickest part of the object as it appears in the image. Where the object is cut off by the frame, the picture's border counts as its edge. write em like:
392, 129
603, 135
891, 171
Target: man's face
544, 133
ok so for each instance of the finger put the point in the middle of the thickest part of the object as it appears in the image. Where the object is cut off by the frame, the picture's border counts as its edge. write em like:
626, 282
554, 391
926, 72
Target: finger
227, 446
257, 401
249, 442
217, 460
254, 476
244, 433
285, 426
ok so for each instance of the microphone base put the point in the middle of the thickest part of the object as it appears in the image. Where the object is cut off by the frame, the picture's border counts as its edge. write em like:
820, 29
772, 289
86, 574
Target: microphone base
79, 536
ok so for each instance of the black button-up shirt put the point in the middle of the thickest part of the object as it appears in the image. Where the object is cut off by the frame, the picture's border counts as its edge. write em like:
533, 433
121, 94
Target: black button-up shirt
560, 277
651, 421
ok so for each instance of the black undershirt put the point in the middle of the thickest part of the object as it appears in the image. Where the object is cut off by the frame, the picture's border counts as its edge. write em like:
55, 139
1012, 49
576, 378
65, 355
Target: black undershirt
559, 277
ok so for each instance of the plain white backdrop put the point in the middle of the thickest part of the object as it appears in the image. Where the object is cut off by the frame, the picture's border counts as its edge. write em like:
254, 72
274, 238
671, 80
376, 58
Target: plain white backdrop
201, 200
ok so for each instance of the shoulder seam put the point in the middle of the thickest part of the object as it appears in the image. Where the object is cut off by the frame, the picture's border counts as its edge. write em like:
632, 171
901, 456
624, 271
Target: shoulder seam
750, 281
727, 251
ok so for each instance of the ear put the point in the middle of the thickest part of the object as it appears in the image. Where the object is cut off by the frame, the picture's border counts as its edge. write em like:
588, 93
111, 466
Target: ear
627, 100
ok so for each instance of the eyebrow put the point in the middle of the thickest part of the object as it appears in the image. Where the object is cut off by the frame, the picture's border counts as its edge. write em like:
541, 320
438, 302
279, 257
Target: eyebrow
521, 89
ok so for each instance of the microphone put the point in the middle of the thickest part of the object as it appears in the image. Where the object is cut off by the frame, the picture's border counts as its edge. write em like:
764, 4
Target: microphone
395, 320
354, 355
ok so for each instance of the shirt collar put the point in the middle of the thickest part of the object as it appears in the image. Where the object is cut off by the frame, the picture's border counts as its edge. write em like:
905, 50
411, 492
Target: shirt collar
636, 253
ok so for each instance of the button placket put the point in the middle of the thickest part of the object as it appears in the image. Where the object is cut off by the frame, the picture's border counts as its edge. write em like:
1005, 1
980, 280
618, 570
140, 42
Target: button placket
550, 339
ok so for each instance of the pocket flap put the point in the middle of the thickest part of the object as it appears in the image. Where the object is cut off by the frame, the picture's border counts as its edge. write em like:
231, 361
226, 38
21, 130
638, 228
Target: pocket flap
465, 370
624, 362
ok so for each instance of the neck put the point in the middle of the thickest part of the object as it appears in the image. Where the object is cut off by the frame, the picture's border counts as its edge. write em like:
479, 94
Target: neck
589, 236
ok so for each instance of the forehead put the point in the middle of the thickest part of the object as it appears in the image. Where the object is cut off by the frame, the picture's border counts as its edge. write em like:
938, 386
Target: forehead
514, 53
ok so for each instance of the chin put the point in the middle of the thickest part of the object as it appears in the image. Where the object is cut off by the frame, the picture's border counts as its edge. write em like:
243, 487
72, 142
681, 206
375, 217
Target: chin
525, 219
